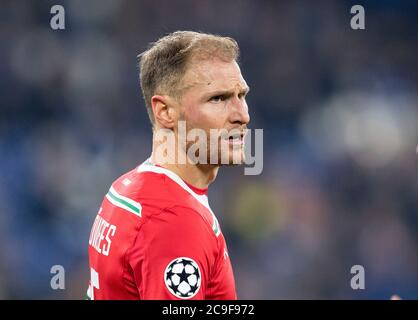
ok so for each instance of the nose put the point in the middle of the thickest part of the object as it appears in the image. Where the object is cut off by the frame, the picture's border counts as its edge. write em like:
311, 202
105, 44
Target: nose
239, 112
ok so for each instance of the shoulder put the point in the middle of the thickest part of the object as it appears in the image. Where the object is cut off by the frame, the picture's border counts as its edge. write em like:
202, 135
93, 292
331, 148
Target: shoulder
136, 185
181, 220
174, 232
160, 202
144, 192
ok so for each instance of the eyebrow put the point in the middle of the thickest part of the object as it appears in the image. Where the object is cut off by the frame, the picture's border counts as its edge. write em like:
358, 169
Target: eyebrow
228, 92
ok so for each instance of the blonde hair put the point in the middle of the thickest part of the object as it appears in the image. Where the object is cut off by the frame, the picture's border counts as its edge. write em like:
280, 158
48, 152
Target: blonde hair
164, 64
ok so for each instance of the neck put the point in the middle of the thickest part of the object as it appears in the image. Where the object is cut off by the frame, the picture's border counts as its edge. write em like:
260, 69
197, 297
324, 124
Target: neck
198, 175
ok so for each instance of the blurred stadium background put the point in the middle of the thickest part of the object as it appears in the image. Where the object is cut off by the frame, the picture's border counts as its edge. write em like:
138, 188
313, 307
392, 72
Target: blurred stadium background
340, 117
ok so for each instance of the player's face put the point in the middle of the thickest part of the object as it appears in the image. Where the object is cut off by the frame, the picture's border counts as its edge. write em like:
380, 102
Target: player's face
214, 98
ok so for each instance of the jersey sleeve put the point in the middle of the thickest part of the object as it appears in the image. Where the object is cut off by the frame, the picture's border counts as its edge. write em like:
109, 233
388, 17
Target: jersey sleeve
173, 255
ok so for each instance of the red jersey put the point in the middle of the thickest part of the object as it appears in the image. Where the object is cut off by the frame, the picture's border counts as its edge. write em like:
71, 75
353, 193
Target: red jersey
155, 237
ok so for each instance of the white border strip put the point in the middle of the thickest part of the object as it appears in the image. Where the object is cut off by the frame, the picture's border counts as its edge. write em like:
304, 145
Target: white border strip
121, 205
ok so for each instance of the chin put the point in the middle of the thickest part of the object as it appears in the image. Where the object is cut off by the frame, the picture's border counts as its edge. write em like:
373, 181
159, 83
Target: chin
236, 159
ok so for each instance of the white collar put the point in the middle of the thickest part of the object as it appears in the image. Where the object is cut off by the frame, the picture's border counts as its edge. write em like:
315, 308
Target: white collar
148, 166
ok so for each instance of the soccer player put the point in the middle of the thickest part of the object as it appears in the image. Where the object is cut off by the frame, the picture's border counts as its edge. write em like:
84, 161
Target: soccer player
155, 235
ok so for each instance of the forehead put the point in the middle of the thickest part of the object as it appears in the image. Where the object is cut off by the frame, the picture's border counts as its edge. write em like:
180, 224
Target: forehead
214, 74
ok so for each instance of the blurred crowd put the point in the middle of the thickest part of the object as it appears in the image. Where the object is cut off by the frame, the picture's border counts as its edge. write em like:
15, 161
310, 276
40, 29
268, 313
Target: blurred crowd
339, 110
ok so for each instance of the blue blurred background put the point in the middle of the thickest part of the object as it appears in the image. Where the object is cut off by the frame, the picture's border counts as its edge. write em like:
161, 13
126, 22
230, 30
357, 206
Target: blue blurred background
340, 117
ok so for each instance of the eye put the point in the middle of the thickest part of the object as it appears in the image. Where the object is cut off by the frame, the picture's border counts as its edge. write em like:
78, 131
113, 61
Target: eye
217, 99
242, 95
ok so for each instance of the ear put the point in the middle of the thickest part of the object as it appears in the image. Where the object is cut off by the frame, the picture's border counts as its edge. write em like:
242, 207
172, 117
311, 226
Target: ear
164, 111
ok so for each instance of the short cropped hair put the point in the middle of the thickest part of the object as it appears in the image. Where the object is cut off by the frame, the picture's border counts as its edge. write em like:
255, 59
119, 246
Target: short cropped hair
164, 64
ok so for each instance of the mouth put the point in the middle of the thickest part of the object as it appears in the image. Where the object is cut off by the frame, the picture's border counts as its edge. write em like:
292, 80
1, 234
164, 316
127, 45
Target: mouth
236, 139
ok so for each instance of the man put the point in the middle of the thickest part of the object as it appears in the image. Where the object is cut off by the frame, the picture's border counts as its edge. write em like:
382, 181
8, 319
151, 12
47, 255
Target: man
155, 236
